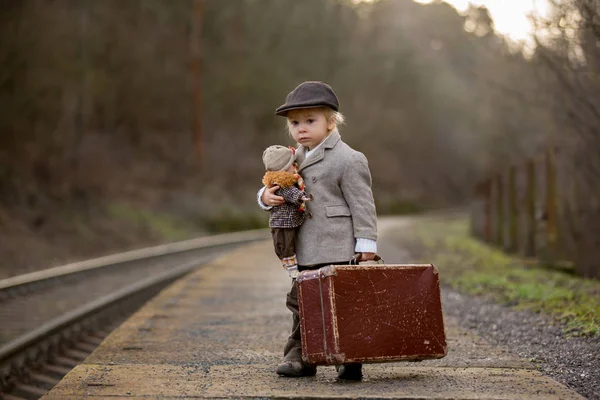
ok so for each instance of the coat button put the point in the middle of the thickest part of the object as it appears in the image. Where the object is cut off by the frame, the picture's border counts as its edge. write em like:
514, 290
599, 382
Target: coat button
309, 215
313, 179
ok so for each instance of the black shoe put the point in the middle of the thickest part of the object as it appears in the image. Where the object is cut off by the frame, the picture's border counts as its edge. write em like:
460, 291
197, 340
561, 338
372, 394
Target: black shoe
350, 372
296, 369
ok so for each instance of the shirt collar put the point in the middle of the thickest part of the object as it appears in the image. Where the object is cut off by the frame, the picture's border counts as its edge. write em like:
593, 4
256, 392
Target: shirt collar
311, 151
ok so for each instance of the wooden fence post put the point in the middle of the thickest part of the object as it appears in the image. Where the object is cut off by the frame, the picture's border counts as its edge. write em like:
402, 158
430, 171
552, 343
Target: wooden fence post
499, 240
551, 205
530, 210
512, 210
487, 228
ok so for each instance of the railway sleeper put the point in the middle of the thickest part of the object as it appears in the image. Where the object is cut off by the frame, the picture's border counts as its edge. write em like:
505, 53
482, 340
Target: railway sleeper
66, 362
11, 397
75, 354
57, 369
28, 391
44, 380
86, 347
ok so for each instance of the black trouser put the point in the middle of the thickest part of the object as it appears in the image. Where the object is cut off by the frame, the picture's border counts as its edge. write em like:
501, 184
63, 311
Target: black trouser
292, 350
284, 241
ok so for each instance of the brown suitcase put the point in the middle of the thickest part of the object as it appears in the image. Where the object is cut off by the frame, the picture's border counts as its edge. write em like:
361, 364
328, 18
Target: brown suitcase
370, 313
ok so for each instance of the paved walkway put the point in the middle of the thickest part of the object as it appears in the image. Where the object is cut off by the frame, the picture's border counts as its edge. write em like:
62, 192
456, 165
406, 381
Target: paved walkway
219, 332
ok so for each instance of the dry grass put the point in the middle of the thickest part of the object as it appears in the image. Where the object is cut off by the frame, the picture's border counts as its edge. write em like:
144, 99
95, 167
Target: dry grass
473, 267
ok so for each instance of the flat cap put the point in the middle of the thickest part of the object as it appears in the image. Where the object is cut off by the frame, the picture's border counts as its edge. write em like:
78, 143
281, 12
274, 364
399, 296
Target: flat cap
308, 95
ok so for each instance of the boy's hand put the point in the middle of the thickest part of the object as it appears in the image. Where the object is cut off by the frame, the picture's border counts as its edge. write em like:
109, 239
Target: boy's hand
306, 198
269, 198
366, 256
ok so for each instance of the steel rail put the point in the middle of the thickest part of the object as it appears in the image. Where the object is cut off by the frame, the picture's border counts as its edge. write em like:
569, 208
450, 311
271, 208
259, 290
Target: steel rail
55, 325
134, 255
17, 356
23, 356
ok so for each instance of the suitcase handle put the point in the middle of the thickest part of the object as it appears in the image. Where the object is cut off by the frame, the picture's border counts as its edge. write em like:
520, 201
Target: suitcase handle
355, 261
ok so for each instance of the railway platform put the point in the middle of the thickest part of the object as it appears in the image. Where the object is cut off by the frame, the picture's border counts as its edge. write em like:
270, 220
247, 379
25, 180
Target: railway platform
219, 333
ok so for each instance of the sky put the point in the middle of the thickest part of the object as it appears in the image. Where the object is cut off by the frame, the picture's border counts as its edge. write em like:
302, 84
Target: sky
510, 16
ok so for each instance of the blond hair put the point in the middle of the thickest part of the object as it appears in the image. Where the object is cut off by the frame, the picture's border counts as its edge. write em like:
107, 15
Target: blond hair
333, 116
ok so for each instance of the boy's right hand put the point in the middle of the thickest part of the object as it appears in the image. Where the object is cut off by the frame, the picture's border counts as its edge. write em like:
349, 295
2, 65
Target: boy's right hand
269, 198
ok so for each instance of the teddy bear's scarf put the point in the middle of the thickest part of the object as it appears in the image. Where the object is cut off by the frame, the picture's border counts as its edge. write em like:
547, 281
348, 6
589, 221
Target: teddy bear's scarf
301, 186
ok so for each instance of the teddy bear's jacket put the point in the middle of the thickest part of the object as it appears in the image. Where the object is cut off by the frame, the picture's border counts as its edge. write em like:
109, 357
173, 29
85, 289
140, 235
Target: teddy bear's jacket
289, 214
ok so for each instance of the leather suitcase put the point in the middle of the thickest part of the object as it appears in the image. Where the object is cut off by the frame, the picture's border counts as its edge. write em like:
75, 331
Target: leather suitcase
370, 313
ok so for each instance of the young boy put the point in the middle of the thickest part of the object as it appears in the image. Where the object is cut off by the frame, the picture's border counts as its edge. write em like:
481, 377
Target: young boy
286, 218
341, 220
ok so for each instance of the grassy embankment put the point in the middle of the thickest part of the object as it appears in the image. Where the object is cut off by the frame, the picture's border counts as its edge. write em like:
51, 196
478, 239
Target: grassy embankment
170, 228
473, 267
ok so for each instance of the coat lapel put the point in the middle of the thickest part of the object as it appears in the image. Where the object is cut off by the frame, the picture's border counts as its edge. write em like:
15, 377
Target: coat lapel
300, 155
319, 153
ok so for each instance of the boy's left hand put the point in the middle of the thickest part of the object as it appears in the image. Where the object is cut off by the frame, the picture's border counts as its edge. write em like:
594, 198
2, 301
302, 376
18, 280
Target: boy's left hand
366, 256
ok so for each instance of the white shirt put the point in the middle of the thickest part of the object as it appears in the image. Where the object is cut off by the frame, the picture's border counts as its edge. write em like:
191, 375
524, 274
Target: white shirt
308, 153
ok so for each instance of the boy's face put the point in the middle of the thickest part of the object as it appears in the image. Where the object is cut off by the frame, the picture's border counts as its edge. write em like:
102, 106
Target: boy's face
309, 126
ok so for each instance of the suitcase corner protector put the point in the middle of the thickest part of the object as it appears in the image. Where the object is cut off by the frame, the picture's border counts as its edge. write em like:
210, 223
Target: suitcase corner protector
336, 359
327, 271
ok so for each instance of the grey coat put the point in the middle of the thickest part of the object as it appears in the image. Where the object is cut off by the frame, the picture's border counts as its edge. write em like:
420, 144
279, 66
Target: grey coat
342, 208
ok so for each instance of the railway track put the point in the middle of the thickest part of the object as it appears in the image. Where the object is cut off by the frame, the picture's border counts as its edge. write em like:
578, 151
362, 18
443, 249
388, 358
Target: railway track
53, 319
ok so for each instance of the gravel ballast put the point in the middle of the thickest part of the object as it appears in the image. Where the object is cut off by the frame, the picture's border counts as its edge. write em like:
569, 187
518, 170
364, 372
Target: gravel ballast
573, 361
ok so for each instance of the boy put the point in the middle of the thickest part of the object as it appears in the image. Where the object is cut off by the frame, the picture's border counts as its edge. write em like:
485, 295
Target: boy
341, 220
